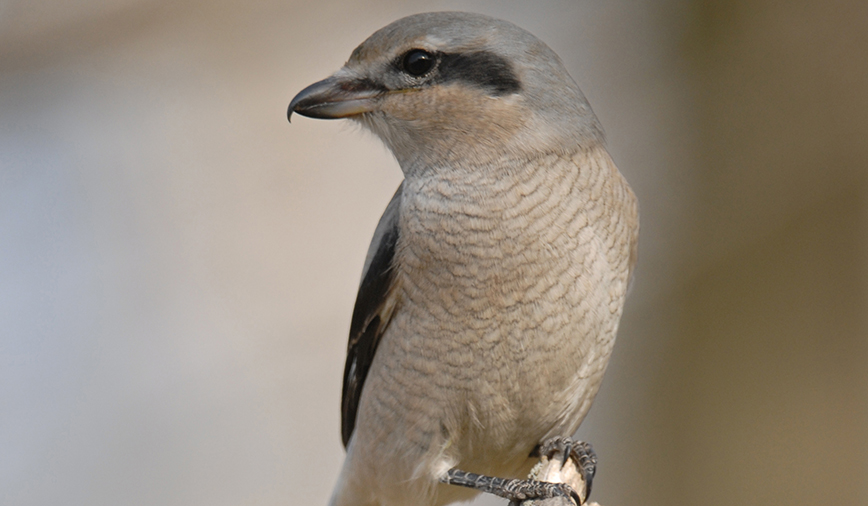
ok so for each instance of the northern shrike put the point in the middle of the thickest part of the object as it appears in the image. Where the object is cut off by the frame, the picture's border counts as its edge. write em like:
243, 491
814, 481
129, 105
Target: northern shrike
495, 280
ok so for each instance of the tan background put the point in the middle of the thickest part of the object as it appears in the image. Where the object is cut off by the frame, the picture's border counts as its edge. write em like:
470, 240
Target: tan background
178, 264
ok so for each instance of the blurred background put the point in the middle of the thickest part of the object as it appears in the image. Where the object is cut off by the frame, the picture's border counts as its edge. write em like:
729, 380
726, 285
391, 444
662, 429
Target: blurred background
178, 263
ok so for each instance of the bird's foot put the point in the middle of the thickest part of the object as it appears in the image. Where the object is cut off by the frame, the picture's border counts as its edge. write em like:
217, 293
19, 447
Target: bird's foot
581, 452
512, 489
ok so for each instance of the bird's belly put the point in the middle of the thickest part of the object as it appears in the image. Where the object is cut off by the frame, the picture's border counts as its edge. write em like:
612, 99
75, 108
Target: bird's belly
476, 370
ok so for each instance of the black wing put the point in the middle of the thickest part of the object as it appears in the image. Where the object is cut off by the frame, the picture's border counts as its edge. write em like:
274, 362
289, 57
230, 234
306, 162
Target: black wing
372, 313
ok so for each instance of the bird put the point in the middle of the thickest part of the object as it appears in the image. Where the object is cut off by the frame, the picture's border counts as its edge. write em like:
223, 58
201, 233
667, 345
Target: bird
495, 280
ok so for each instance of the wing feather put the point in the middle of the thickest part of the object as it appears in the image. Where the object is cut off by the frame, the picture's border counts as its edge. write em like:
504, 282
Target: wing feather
372, 313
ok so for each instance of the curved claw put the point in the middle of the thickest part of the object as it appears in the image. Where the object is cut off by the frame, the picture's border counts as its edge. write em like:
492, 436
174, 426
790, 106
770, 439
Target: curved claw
581, 452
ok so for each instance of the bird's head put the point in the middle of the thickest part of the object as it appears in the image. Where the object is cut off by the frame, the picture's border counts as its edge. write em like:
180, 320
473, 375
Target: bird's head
448, 86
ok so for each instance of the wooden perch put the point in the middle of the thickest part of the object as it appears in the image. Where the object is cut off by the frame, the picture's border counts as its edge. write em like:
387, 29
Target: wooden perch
550, 470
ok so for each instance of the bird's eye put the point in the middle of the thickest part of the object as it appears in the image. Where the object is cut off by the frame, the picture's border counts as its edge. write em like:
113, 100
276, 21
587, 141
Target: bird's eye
417, 62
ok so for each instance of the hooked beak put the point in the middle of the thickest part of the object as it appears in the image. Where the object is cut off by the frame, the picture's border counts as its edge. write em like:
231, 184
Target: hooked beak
336, 97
